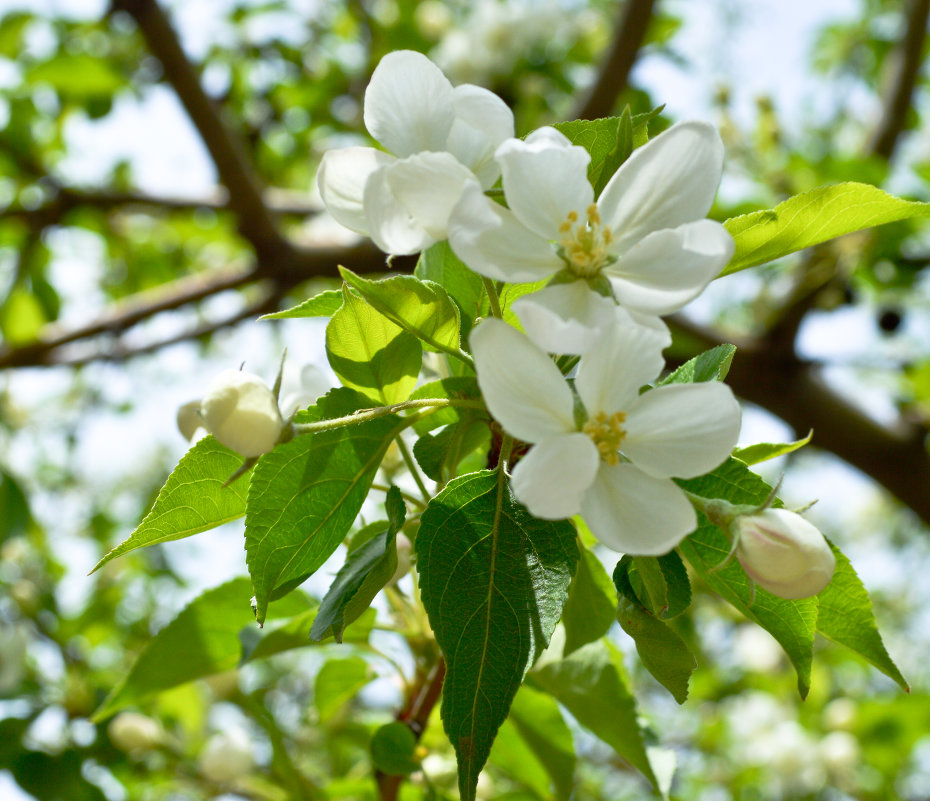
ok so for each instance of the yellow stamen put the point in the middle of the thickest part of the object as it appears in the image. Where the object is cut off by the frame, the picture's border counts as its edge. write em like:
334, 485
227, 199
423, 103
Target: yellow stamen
607, 433
584, 244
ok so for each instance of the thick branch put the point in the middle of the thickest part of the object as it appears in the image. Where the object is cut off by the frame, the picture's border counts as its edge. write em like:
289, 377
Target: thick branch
614, 73
795, 391
907, 61
228, 151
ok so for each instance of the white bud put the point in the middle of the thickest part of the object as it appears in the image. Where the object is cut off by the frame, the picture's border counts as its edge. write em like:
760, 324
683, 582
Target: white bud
241, 412
189, 420
227, 756
130, 731
783, 553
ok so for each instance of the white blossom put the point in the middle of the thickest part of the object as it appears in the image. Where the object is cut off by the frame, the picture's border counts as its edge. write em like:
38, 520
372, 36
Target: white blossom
644, 240
614, 468
227, 756
130, 731
241, 412
440, 139
784, 553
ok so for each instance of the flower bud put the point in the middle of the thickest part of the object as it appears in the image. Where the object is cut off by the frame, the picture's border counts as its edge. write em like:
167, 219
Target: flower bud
227, 756
189, 420
242, 413
783, 553
130, 731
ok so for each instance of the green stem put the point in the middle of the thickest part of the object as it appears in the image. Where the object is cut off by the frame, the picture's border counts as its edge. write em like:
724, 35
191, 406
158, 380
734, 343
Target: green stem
364, 415
493, 298
405, 495
412, 467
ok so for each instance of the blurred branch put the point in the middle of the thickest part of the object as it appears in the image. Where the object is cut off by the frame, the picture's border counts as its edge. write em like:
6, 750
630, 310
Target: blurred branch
907, 60
226, 147
895, 456
612, 77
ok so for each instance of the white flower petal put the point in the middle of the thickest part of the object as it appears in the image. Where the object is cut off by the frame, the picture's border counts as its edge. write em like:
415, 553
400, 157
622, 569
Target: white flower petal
543, 182
547, 136
341, 179
670, 180
668, 268
241, 412
552, 478
624, 358
682, 430
408, 203
521, 385
565, 318
632, 512
408, 104
482, 122
494, 243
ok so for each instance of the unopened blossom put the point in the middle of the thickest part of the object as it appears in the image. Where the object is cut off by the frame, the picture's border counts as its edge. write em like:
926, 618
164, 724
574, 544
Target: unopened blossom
644, 241
130, 731
614, 467
784, 553
440, 139
227, 756
241, 412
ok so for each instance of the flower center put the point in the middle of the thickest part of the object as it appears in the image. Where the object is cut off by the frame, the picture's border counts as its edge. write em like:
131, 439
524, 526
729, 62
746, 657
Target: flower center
606, 433
584, 242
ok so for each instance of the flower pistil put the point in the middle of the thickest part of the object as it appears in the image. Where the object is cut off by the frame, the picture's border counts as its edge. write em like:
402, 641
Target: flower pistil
607, 432
584, 244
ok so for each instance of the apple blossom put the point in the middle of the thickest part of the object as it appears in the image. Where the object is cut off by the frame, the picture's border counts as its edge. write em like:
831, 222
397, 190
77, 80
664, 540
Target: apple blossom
442, 139
643, 241
783, 553
242, 413
615, 467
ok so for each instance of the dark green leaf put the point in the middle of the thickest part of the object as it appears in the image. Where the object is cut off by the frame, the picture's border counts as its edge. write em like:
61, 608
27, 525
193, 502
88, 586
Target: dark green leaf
366, 570
295, 633
15, 516
392, 750
845, 616
194, 499
370, 353
306, 493
493, 580
326, 304
792, 623
422, 308
711, 365
592, 603
592, 684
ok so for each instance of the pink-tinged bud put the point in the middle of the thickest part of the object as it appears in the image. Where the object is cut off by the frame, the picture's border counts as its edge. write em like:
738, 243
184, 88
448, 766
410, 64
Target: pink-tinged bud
783, 553
242, 413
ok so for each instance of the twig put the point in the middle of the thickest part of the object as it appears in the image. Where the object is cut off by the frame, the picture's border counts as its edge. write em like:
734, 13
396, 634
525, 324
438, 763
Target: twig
612, 77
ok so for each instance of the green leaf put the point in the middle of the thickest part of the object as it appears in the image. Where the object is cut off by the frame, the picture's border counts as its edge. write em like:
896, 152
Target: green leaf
21, 317
592, 684
591, 606
845, 616
493, 581
711, 365
80, 76
658, 584
337, 682
663, 653
536, 716
677, 583
792, 623
305, 494
811, 218
641, 125
604, 139
392, 750
370, 353
326, 304
203, 639
421, 307
511, 755
763, 451
15, 515
438, 263
440, 454
366, 570
193, 499
295, 633
460, 387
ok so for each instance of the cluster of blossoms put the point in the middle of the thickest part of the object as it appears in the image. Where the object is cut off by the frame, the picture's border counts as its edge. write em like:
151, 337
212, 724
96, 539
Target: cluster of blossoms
599, 445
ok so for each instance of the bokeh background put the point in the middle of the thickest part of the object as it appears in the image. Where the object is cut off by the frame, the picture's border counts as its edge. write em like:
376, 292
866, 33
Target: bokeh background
157, 195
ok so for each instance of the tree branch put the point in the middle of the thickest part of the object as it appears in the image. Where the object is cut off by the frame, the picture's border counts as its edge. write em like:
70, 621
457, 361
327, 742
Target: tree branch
895, 456
612, 77
227, 149
907, 62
